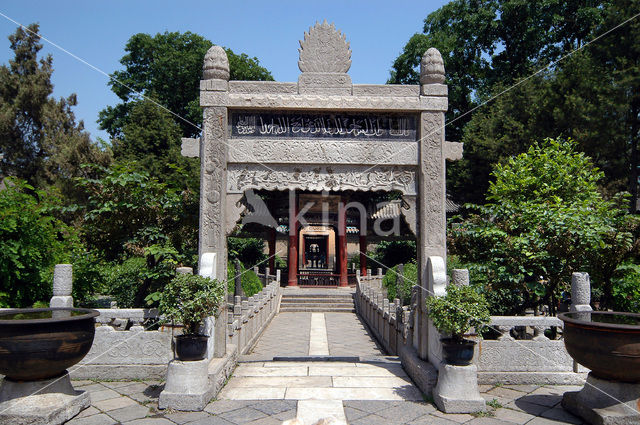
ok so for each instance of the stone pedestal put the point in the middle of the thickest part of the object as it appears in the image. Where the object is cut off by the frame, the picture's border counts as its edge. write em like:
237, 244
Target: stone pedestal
602, 402
187, 386
46, 402
457, 389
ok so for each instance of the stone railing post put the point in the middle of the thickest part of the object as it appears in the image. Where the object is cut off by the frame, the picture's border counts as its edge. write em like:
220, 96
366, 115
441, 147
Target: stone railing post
62, 286
238, 279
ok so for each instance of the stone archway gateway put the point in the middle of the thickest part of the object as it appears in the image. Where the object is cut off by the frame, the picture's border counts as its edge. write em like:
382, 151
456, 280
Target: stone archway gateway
321, 133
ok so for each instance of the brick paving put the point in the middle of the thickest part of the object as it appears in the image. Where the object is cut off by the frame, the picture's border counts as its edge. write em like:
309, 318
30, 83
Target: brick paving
136, 403
286, 335
348, 336
372, 390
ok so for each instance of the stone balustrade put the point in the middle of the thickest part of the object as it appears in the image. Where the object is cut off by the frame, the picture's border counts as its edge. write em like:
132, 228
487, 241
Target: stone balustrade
133, 343
247, 318
525, 349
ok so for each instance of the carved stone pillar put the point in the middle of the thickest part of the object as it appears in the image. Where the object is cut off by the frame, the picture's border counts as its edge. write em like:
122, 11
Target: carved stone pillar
432, 193
213, 174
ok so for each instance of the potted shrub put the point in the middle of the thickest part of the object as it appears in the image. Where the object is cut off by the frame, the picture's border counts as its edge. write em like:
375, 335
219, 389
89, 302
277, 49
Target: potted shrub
189, 299
453, 315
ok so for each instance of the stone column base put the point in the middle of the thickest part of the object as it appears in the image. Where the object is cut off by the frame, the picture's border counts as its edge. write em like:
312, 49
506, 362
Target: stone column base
457, 389
603, 402
45, 402
191, 385
187, 386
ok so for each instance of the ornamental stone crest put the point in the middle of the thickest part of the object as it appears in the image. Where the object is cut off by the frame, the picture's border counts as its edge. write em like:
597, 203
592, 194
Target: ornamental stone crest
324, 49
216, 64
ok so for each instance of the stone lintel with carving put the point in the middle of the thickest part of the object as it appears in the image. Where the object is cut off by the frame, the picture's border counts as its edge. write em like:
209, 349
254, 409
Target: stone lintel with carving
241, 177
323, 102
322, 152
276, 87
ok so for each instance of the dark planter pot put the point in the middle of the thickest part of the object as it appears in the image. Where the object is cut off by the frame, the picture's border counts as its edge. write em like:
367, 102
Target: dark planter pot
41, 343
608, 343
458, 352
191, 347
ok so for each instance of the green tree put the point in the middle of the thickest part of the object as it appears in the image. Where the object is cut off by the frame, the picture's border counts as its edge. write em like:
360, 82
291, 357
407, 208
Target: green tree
40, 140
487, 45
127, 212
141, 228
545, 218
167, 67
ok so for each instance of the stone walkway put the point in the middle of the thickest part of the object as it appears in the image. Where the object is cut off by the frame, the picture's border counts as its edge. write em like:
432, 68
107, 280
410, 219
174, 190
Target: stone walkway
363, 387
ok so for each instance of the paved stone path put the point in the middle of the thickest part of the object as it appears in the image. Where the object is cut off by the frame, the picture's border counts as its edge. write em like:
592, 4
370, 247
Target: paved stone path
374, 390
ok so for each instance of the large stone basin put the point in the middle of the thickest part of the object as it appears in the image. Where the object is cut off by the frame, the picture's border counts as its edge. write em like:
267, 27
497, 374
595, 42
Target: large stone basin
608, 343
42, 343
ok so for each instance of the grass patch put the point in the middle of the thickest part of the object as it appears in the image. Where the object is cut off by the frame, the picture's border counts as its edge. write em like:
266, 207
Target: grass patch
485, 414
494, 404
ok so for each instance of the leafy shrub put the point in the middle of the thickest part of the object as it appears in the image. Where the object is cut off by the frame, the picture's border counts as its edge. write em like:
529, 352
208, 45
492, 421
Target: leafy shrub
189, 298
250, 282
122, 280
460, 309
626, 288
390, 281
32, 241
545, 217
88, 276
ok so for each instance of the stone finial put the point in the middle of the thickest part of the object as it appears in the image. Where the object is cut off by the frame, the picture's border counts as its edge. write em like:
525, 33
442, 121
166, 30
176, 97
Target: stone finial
432, 67
324, 49
216, 64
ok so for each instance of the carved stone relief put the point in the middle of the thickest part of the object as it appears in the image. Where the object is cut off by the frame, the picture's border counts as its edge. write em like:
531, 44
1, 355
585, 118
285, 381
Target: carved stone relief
432, 214
324, 49
316, 178
410, 214
323, 152
213, 181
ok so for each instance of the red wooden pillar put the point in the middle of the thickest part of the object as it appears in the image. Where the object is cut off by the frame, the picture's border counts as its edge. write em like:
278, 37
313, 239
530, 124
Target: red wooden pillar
272, 250
342, 244
293, 241
363, 256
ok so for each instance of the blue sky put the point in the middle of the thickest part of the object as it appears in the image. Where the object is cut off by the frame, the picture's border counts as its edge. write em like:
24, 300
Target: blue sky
97, 32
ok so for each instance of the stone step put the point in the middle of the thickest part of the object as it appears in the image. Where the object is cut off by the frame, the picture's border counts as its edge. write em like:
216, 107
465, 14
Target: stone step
324, 309
333, 304
316, 300
285, 295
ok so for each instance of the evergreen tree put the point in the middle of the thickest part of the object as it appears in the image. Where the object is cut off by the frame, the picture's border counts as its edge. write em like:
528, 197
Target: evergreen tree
40, 140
